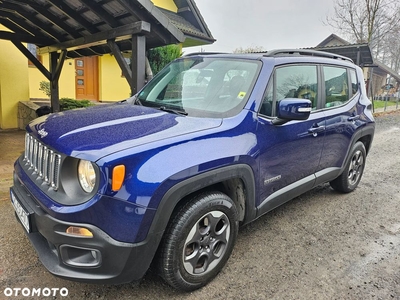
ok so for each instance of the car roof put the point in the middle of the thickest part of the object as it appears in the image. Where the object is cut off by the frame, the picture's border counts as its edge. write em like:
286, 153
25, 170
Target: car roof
287, 53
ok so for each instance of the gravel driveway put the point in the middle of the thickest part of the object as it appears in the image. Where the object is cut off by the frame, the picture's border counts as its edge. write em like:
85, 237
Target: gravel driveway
321, 245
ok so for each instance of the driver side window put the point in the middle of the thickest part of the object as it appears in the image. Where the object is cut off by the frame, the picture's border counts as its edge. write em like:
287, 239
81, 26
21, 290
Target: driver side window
298, 81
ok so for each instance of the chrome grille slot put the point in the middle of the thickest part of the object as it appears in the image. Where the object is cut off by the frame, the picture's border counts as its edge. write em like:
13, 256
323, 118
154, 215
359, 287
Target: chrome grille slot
56, 171
35, 155
27, 141
42, 161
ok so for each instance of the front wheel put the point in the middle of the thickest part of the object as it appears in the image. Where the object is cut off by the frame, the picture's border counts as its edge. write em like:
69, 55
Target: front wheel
353, 171
198, 241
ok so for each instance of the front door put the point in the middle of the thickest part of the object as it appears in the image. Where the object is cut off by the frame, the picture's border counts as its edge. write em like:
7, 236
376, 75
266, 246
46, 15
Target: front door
87, 78
290, 153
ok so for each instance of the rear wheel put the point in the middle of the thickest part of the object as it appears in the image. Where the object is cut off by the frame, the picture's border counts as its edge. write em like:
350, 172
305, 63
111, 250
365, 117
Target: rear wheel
198, 241
352, 174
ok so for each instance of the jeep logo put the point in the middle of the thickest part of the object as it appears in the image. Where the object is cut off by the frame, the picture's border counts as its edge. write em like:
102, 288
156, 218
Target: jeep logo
42, 133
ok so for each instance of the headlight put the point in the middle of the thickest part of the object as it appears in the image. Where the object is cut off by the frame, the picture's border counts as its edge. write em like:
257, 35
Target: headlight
86, 175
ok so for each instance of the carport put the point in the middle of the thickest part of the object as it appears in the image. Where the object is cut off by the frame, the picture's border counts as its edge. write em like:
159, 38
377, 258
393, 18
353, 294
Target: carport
78, 28
362, 56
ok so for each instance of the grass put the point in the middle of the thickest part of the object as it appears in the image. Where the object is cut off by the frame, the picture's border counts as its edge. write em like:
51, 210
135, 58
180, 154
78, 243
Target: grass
381, 104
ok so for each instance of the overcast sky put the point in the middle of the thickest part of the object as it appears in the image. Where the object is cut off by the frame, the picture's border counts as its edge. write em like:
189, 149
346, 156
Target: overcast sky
264, 23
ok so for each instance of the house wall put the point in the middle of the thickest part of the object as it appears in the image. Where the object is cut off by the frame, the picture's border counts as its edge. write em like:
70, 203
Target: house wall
112, 85
166, 4
66, 83
14, 84
377, 82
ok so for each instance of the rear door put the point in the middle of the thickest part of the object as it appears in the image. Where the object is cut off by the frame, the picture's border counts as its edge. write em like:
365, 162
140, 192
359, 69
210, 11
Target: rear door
343, 114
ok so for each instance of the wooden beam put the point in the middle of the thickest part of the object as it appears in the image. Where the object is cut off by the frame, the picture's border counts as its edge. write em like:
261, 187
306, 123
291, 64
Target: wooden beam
55, 20
121, 61
121, 33
99, 11
60, 63
25, 38
32, 58
54, 89
138, 63
184, 9
140, 14
32, 17
58, 21
21, 23
73, 14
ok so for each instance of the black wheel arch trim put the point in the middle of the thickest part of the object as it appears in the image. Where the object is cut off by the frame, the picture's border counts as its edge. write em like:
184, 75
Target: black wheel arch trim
176, 193
368, 131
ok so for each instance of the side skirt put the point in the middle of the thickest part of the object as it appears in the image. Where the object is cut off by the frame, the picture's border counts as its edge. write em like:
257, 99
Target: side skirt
296, 189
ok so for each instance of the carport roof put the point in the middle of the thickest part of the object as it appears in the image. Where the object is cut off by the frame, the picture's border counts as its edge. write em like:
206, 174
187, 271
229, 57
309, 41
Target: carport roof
359, 53
83, 26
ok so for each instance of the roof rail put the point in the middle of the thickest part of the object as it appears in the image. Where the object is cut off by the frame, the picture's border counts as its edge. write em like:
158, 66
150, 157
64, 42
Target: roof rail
306, 52
203, 53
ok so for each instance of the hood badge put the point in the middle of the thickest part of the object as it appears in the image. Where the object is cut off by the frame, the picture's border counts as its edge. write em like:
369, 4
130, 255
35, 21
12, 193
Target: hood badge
42, 133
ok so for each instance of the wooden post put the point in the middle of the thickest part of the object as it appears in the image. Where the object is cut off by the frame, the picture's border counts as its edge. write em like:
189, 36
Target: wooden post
56, 64
138, 64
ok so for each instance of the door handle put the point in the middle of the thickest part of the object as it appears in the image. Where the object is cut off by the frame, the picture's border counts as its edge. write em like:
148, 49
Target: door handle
315, 130
353, 118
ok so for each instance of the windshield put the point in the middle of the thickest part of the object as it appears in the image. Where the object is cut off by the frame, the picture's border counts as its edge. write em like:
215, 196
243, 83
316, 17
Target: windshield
202, 86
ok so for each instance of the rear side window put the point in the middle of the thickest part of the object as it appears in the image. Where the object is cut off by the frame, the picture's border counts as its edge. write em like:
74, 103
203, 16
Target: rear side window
354, 82
336, 86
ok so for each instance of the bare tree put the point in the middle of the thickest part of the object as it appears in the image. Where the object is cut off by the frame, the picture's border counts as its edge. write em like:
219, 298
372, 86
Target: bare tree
249, 49
391, 51
366, 21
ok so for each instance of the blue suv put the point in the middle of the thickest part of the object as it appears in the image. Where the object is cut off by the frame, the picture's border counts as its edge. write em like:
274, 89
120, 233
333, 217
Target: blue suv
166, 177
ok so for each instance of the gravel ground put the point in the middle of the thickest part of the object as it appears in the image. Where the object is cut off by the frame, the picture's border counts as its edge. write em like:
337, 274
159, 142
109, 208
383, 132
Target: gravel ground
321, 245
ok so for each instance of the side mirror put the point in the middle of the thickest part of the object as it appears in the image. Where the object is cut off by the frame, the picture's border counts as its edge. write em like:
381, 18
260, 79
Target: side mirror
292, 109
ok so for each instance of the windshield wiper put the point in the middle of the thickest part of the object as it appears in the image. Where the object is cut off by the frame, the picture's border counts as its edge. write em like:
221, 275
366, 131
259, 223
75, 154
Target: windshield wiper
174, 111
137, 101
132, 100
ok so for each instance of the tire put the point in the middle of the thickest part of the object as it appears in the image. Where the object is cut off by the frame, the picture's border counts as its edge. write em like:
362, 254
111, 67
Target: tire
198, 241
351, 176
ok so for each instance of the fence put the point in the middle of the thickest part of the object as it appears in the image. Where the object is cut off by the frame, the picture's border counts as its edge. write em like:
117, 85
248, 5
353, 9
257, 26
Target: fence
389, 103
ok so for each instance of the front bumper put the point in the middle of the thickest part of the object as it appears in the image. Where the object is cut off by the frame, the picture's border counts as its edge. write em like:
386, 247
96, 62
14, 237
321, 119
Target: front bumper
99, 259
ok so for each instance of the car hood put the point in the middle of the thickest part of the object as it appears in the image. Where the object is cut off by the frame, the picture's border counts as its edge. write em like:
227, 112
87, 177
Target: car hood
98, 131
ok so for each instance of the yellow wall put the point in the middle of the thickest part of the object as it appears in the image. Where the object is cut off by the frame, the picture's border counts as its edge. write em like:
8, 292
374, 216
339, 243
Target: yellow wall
67, 80
66, 83
35, 76
13, 83
112, 85
166, 4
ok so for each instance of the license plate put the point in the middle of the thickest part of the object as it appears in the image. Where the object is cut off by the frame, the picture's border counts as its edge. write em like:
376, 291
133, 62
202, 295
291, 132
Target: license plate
23, 216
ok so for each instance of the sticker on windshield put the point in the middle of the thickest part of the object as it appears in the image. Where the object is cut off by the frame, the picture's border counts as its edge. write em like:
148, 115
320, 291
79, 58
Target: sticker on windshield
241, 95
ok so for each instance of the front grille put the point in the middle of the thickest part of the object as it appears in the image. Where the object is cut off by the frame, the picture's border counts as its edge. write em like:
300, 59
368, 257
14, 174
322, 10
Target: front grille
42, 161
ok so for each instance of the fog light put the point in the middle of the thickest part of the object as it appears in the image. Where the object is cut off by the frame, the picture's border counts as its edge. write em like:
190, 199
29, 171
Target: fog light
80, 257
94, 254
79, 231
